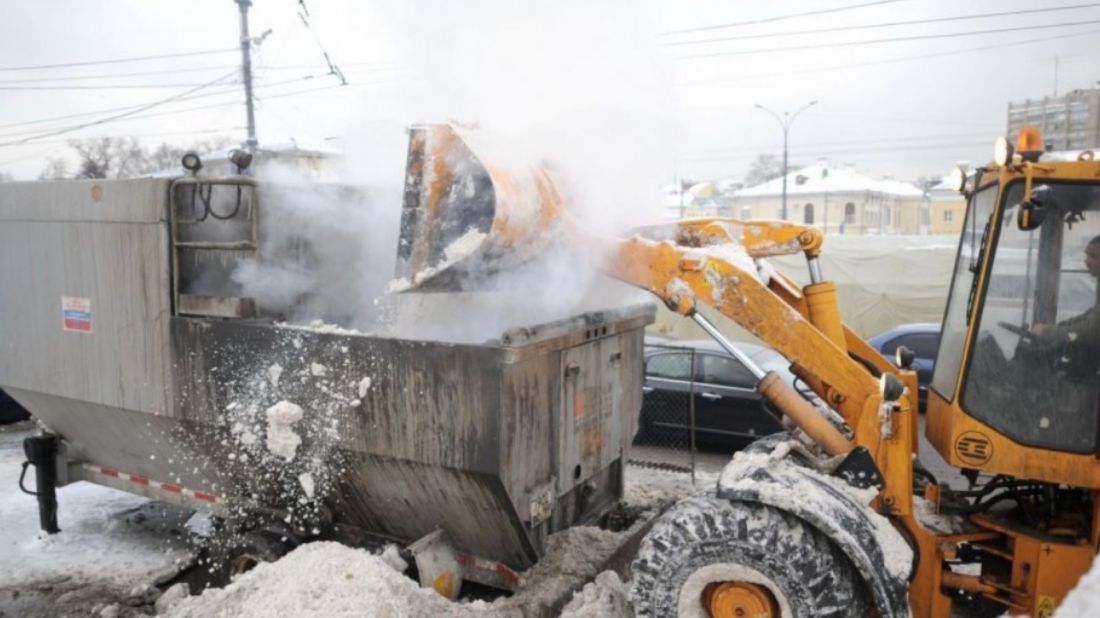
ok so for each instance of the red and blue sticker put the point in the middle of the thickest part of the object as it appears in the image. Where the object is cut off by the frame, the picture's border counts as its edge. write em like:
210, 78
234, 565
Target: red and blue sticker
76, 314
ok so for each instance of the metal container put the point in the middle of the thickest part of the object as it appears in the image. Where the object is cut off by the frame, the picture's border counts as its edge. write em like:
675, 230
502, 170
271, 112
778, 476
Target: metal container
122, 333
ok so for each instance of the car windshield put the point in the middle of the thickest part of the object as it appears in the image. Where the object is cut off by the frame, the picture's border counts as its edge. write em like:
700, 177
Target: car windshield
1033, 370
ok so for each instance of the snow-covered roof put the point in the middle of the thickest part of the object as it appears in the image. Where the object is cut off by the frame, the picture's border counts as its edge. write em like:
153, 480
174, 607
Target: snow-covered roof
822, 177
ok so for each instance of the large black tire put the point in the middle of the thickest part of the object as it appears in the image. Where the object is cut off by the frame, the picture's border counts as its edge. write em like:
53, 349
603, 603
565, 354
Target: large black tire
801, 567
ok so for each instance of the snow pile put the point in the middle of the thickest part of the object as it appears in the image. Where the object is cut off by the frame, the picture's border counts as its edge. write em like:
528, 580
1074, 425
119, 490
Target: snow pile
320, 579
1084, 599
607, 596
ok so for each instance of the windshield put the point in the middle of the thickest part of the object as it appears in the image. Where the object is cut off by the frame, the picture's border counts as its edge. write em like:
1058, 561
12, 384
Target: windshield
953, 338
1033, 373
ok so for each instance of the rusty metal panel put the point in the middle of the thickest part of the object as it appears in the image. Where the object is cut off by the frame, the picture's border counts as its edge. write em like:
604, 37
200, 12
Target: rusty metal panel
111, 275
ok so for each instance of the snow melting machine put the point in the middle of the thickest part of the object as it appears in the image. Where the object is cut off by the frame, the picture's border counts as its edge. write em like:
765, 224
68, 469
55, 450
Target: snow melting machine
126, 337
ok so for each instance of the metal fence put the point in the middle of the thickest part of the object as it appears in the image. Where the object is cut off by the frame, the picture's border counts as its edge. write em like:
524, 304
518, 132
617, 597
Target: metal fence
666, 435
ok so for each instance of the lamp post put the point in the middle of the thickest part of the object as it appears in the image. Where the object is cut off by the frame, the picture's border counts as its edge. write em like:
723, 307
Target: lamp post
785, 121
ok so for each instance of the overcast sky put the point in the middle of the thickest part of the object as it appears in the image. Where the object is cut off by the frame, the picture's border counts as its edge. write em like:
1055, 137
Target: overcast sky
905, 108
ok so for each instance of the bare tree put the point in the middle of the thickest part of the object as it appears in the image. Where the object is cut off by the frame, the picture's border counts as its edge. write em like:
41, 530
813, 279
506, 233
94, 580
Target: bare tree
763, 168
57, 168
109, 157
6, 177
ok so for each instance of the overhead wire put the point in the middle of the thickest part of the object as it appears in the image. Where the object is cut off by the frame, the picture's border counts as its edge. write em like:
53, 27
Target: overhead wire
200, 108
893, 24
131, 107
920, 37
838, 67
768, 20
303, 14
51, 133
103, 87
86, 63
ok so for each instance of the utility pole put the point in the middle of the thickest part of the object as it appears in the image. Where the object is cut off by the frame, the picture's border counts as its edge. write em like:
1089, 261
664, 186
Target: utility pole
246, 74
785, 122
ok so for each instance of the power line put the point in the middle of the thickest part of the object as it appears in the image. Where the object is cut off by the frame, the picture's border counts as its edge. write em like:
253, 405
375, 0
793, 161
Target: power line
369, 68
887, 61
130, 107
843, 151
68, 78
104, 87
914, 22
913, 139
199, 108
768, 20
921, 37
158, 134
120, 115
303, 14
118, 60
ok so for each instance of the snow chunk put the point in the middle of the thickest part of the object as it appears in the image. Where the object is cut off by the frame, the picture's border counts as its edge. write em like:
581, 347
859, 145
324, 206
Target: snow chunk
305, 479
364, 386
461, 248
281, 439
274, 372
392, 556
318, 370
607, 596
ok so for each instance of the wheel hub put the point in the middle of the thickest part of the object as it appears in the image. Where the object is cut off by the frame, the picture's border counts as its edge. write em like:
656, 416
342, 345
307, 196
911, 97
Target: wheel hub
737, 599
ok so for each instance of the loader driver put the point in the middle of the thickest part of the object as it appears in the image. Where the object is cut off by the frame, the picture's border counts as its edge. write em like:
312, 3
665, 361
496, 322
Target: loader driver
1081, 332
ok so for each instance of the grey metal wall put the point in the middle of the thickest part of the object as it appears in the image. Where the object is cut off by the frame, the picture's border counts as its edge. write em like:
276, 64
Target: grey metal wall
57, 239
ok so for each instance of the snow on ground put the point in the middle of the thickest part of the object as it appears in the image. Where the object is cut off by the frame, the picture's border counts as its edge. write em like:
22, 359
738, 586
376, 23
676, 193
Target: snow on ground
1083, 600
112, 544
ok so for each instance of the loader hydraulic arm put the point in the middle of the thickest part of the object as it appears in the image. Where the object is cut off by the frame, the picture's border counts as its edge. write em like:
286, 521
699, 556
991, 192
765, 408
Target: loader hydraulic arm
704, 261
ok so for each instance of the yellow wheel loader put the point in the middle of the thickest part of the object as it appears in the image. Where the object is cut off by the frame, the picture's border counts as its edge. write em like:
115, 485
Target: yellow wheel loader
838, 517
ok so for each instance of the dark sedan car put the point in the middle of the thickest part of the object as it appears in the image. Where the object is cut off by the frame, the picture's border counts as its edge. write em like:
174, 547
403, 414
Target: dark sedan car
729, 411
923, 339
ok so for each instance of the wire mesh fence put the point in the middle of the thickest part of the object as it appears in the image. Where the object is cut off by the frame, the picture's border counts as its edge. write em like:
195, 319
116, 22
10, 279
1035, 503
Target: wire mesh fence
666, 435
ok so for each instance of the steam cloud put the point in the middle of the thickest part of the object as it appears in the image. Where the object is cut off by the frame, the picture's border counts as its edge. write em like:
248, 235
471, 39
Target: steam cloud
579, 86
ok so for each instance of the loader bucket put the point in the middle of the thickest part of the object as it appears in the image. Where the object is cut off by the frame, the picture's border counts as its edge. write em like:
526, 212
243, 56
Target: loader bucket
465, 217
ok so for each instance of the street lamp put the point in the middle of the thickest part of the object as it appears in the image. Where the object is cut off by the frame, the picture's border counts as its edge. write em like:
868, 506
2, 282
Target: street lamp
785, 122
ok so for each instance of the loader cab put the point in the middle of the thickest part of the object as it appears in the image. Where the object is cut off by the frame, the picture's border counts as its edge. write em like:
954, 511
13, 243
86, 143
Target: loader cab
1019, 361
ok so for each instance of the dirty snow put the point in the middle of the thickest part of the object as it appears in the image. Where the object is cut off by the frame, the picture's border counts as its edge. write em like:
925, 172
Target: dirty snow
111, 544
461, 248
606, 596
896, 552
318, 326
281, 439
319, 579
